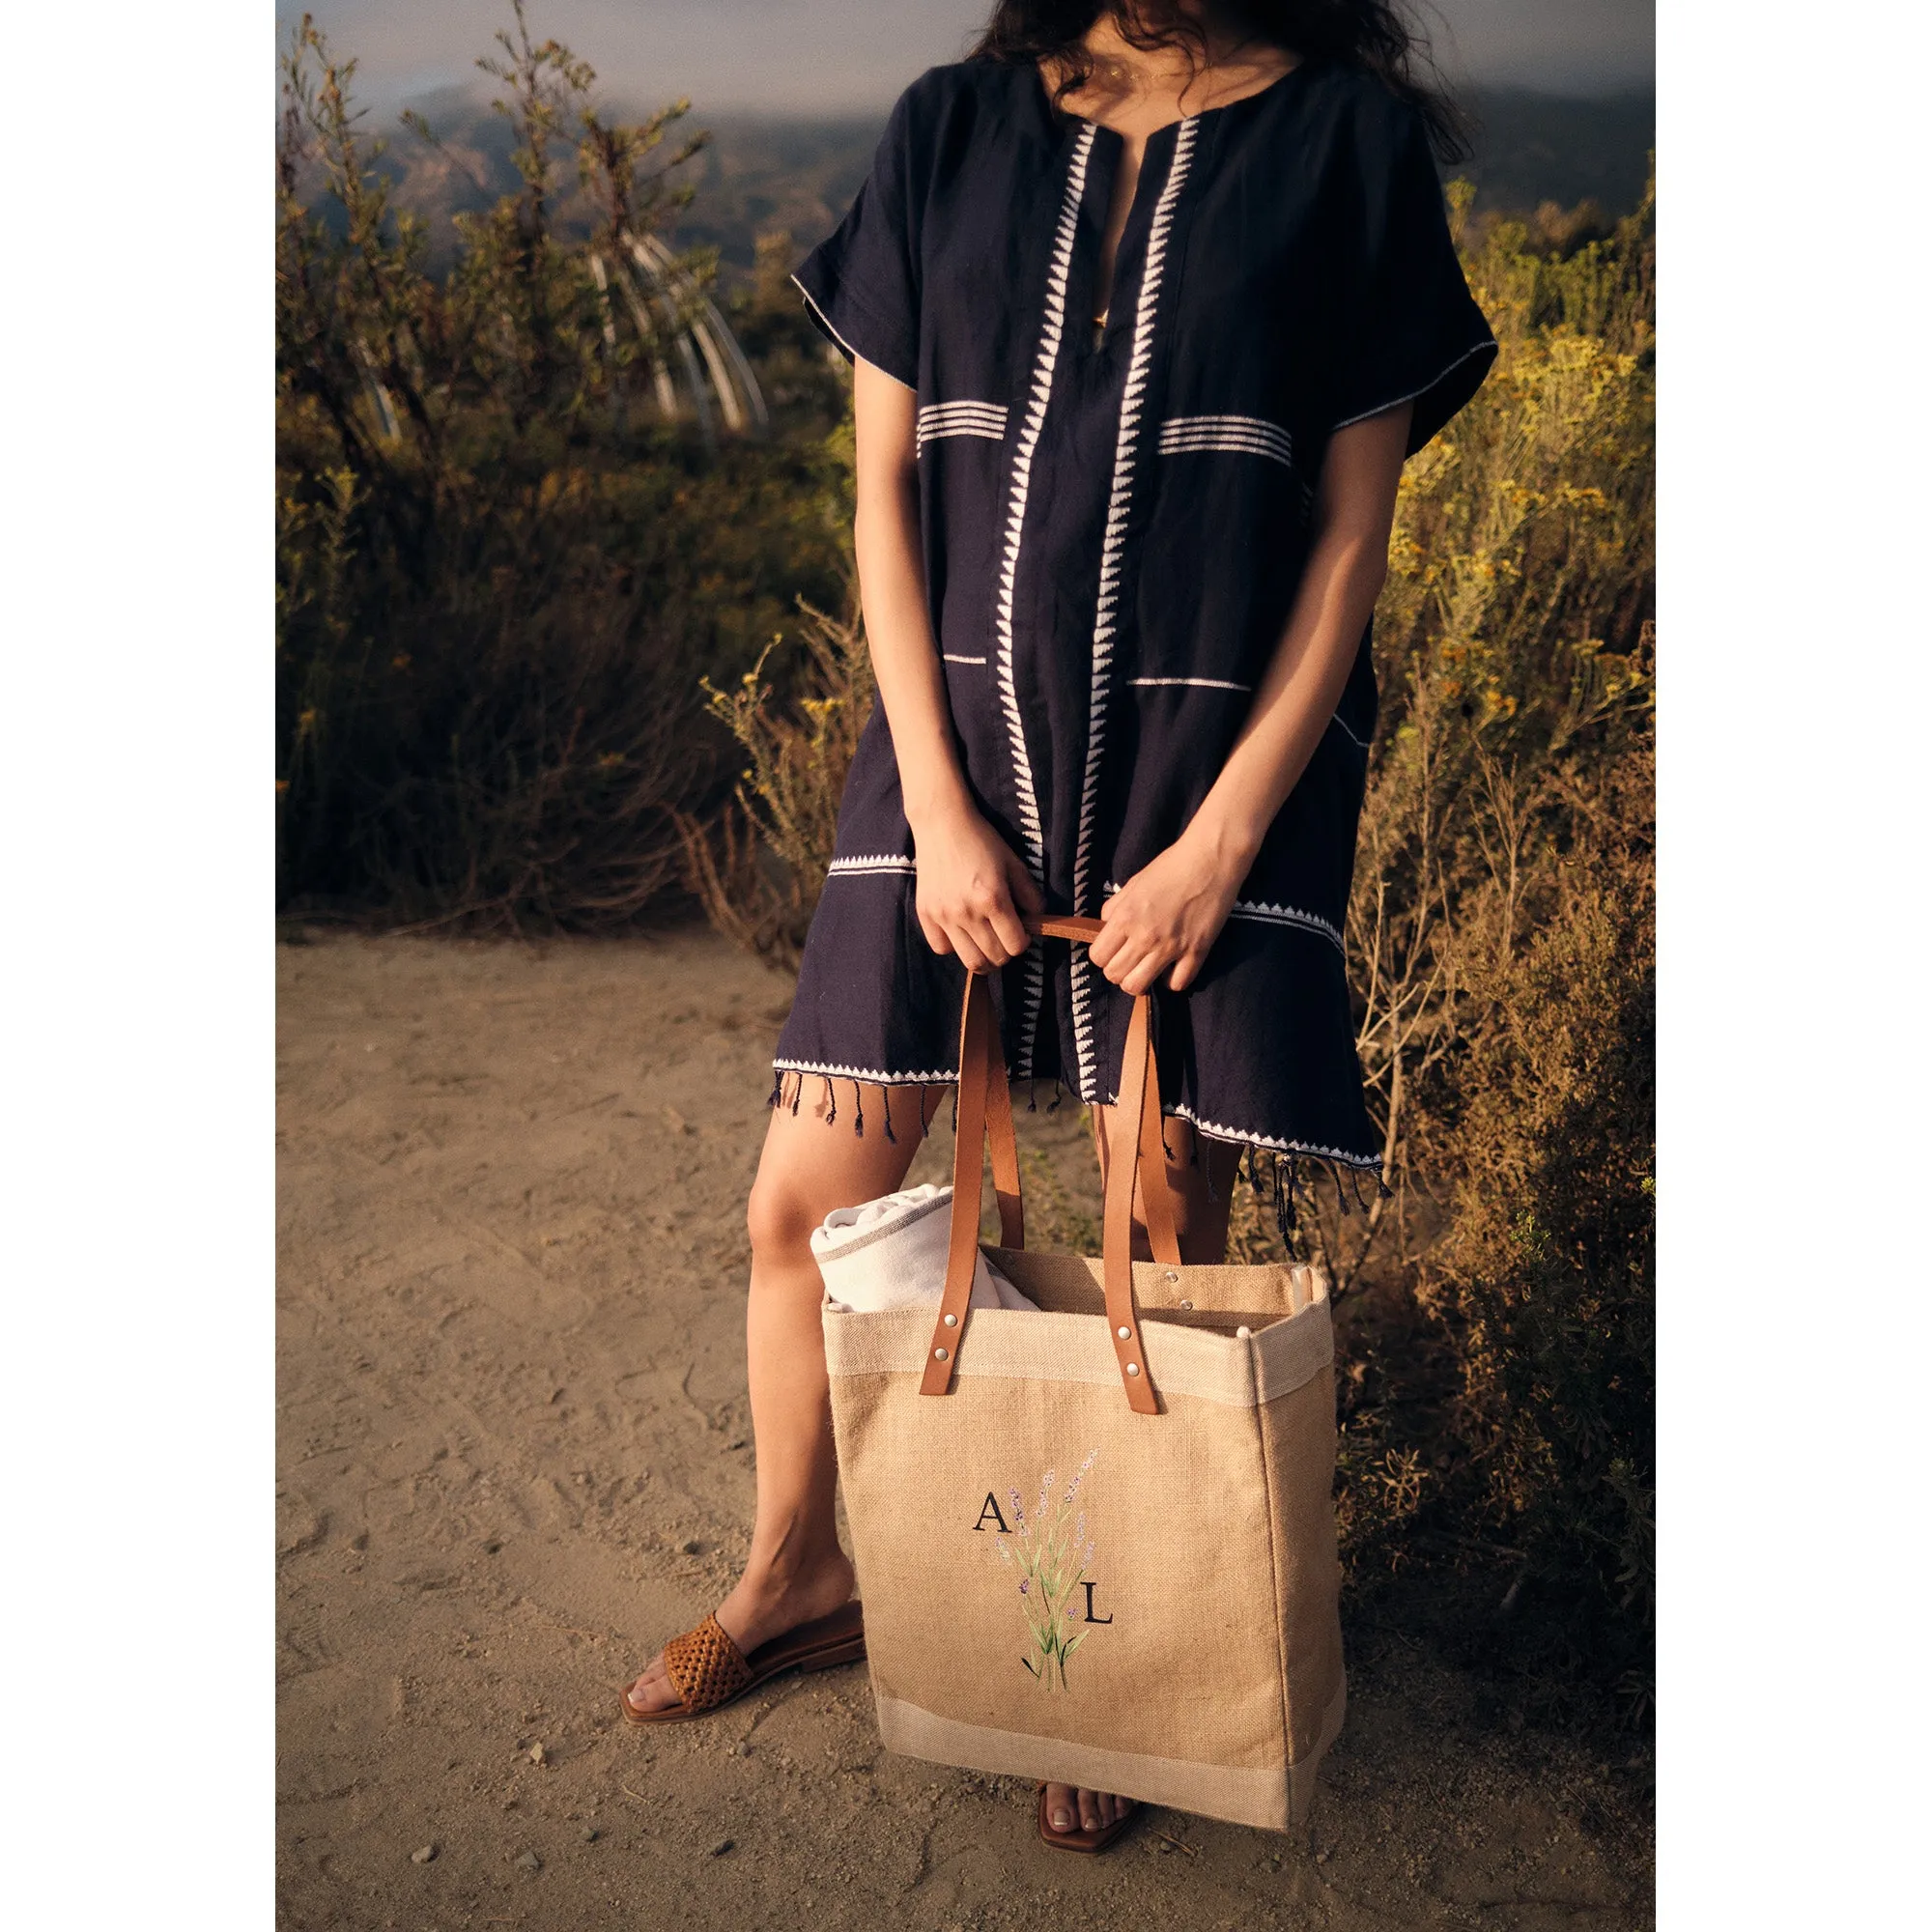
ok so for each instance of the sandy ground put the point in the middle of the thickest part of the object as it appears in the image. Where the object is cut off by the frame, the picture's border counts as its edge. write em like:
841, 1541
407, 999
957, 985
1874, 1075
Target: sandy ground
514, 1455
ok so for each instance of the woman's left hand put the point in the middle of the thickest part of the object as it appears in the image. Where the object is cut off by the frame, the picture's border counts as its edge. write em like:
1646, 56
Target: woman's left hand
1167, 916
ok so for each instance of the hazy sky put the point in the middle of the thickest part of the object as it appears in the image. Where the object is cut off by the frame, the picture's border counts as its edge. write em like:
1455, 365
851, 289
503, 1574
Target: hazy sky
832, 56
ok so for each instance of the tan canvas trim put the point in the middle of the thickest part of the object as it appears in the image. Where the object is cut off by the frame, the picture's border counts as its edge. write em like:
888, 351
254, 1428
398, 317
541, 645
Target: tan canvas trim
1254, 1292
1212, 1791
1238, 1371
1301, 1775
1270, 1800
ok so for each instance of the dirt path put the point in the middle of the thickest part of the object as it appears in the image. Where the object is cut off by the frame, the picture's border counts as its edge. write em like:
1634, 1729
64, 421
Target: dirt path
514, 1454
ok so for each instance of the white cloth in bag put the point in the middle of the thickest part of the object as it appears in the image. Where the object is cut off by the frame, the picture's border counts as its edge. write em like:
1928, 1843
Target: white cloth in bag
891, 1253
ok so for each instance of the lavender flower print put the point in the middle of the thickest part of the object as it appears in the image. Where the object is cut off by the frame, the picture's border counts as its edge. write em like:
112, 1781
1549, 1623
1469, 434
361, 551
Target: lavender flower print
1052, 1553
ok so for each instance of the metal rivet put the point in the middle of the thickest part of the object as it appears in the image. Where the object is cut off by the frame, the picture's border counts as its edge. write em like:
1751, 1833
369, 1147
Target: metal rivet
939, 1355
1186, 1303
1124, 1333
1133, 1368
1172, 1276
953, 1321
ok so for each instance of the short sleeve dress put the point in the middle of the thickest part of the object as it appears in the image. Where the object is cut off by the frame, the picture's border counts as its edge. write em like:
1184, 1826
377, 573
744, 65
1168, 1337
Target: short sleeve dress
1113, 530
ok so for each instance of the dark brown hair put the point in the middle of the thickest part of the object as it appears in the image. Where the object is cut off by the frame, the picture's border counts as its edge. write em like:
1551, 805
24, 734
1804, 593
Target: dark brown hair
1372, 35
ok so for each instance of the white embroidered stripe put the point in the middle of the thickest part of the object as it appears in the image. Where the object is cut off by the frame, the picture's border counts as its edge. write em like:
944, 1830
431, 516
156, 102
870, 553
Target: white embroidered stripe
1227, 446
936, 413
1395, 402
1113, 548
1199, 683
1261, 914
1274, 915
1224, 438
1052, 324
1368, 1163
937, 419
987, 432
1251, 434
953, 658
870, 1076
882, 862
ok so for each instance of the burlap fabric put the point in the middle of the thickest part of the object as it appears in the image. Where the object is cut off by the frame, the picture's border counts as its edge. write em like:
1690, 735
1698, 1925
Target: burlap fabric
1057, 1586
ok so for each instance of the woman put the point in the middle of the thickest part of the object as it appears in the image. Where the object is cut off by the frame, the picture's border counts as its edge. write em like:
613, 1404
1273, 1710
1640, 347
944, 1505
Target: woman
1147, 303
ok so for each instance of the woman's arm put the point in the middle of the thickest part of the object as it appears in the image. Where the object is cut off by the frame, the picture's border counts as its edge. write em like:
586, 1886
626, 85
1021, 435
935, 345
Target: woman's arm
1171, 911
973, 888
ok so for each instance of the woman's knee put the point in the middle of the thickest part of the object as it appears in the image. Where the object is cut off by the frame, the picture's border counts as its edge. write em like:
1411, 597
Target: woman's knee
780, 1217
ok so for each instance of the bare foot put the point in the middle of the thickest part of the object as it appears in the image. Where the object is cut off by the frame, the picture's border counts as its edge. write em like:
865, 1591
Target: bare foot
761, 1607
1071, 1809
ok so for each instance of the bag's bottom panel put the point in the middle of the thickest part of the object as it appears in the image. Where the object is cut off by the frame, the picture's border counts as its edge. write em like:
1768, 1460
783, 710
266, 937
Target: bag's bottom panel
1271, 1799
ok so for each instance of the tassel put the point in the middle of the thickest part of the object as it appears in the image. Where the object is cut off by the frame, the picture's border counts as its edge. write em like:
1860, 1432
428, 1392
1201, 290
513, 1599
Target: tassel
797, 1093
1341, 1198
1382, 1183
858, 1109
892, 1139
955, 1109
778, 1089
831, 1104
1054, 1107
1033, 1095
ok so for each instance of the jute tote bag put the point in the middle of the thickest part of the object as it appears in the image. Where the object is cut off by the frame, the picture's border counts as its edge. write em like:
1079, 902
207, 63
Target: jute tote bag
1096, 1544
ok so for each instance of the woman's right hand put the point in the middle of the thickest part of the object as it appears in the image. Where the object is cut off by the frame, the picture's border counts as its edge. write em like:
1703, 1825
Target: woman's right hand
973, 892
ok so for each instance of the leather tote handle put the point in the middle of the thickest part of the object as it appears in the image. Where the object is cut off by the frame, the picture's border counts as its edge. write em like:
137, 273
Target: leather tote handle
985, 1107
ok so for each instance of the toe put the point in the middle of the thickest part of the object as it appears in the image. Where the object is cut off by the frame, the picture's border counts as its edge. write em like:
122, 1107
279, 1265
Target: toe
1090, 1811
652, 1691
1060, 1811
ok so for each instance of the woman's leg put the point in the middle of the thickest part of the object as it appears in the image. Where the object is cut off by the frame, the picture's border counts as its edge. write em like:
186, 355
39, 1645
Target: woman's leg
796, 1570
1201, 1227
1200, 1209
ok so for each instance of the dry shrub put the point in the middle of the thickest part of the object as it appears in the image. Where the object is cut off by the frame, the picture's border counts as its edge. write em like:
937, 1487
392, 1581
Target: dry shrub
501, 573
758, 868
1498, 1404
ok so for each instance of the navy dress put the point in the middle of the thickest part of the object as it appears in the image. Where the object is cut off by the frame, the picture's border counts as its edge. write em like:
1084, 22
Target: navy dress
1113, 530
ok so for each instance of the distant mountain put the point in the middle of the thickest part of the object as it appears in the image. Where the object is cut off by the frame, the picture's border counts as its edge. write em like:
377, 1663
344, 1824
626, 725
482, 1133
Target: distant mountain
1533, 148
759, 176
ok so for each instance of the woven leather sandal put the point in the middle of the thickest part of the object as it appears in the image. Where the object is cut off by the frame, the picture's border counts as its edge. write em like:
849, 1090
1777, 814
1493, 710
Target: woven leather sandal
1081, 1841
708, 1670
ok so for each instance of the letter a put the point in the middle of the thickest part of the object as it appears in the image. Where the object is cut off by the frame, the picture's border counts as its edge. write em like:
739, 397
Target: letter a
994, 1507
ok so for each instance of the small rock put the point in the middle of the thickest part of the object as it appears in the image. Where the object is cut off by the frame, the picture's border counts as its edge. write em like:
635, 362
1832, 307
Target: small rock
590, 1834
422, 1855
537, 1754
723, 1846
690, 1546
674, 1119
1321, 1857
736, 1442
529, 1862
